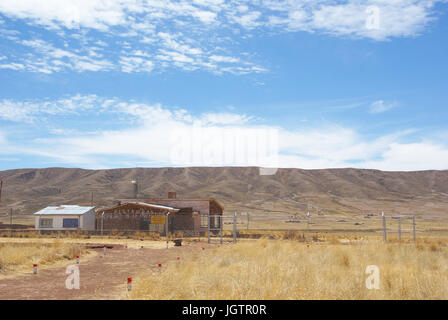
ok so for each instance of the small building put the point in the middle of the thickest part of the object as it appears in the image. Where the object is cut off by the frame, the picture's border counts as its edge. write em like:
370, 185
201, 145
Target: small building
207, 208
65, 217
140, 216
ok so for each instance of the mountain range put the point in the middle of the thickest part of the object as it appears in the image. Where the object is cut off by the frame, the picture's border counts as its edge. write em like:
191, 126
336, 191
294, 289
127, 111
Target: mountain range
241, 189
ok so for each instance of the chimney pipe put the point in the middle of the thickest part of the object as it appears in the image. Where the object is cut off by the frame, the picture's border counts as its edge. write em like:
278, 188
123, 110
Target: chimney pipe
135, 184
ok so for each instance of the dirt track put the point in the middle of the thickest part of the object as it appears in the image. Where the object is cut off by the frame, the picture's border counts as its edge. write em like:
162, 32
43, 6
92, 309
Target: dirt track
101, 277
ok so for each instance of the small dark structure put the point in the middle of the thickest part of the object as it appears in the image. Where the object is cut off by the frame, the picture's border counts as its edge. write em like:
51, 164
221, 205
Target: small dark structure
147, 217
202, 207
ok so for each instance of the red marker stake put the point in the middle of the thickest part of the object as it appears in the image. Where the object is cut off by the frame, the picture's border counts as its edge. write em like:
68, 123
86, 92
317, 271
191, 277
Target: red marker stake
77, 259
35, 268
129, 284
160, 267
167, 244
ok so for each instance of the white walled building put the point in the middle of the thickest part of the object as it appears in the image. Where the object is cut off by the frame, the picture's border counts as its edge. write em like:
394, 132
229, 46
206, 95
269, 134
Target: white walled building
65, 217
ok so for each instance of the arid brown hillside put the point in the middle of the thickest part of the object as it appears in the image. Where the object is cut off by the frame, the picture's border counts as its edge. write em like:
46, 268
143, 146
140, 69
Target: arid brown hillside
239, 189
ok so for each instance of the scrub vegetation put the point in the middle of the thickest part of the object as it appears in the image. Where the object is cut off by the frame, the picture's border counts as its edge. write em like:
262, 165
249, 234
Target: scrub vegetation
291, 269
17, 256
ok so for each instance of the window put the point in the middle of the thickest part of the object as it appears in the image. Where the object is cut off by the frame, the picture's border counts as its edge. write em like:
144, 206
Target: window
45, 223
70, 223
204, 221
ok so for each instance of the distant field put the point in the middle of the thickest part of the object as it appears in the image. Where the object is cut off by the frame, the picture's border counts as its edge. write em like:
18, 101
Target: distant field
18, 219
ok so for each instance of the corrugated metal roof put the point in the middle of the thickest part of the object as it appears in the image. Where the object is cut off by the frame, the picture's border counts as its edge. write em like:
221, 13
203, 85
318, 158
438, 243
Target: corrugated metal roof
155, 206
155, 200
64, 209
141, 204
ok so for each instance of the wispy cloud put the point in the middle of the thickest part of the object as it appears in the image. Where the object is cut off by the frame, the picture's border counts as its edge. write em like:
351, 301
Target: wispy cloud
185, 35
150, 133
136, 64
31, 111
381, 106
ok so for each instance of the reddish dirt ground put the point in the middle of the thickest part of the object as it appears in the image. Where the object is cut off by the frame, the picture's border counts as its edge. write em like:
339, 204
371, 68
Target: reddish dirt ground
101, 277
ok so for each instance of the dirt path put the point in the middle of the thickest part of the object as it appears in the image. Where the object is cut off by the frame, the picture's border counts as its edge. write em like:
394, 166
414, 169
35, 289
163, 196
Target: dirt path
101, 277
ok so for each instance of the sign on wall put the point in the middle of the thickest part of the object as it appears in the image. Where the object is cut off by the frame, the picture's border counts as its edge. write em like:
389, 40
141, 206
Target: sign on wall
157, 219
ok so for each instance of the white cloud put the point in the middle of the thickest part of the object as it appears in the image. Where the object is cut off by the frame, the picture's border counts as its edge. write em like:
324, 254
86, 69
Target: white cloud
171, 43
135, 64
12, 66
380, 106
398, 18
48, 59
98, 14
412, 156
249, 20
223, 59
31, 111
224, 118
13, 111
190, 30
153, 133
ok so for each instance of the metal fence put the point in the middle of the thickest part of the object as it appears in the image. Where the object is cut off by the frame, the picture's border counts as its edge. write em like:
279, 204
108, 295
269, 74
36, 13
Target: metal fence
230, 227
385, 226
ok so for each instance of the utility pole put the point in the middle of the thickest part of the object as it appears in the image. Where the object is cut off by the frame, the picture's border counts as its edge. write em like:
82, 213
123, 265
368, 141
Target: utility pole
308, 227
399, 229
413, 228
102, 223
1, 187
384, 227
167, 230
234, 228
91, 200
10, 221
248, 221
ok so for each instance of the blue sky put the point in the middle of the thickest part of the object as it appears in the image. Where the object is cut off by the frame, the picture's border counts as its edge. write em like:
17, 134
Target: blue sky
125, 83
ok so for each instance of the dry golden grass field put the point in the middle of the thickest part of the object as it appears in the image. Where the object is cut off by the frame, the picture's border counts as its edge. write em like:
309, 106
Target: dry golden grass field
284, 266
288, 269
18, 256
